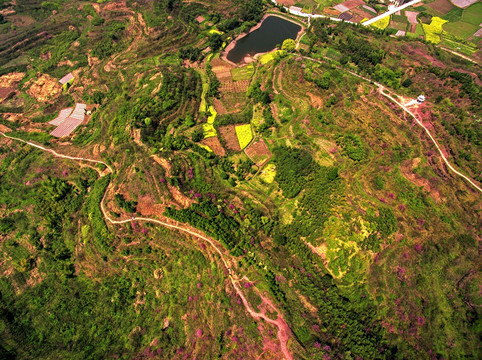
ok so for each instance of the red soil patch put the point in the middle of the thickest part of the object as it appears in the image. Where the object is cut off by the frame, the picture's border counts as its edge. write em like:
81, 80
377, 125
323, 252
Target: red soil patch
44, 89
316, 100
363, 14
6, 92
147, 207
214, 145
258, 152
228, 133
412, 17
348, 5
4, 128
218, 105
331, 12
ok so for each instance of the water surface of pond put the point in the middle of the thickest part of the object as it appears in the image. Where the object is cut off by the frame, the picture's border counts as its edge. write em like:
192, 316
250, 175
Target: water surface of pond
272, 32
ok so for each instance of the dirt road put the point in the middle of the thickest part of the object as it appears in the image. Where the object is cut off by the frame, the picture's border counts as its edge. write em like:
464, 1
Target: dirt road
385, 92
284, 332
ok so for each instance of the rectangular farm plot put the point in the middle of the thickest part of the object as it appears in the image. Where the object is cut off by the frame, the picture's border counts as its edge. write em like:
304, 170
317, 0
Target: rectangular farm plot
464, 3
244, 135
258, 152
234, 86
348, 5
441, 6
222, 69
228, 133
460, 29
71, 122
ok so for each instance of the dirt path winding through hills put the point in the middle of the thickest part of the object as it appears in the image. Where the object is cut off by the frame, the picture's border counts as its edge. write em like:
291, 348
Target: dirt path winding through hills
284, 332
382, 90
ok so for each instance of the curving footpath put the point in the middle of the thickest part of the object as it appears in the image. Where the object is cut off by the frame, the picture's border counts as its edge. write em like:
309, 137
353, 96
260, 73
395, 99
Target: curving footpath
56, 154
283, 328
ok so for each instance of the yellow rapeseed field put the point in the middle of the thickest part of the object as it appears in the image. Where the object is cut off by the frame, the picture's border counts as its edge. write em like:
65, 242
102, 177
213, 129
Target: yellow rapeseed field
244, 134
382, 23
434, 30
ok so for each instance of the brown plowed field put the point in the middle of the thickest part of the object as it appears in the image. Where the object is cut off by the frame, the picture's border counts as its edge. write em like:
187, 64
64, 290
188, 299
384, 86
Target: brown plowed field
258, 152
234, 86
222, 70
442, 6
229, 135
214, 145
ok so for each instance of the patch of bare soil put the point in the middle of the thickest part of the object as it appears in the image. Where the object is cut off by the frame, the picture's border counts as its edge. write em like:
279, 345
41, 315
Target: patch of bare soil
4, 129
164, 163
96, 7
7, 11
407, 168
66, 62
214, 145
44, 89
6, 93
147, 207
11, 80
218, 105
316, 100
179, 197
14, 117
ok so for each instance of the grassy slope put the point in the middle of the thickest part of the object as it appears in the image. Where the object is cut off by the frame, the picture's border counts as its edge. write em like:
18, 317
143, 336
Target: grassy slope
416, 318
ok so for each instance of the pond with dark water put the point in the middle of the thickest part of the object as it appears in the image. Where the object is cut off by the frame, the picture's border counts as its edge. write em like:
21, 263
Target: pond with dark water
273, 31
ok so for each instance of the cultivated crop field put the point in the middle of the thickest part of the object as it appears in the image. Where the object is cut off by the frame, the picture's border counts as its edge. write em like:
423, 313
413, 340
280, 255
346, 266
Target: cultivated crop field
434, 29
208, 127
244, 135
228, 133
258, 152
242, 73
214, 144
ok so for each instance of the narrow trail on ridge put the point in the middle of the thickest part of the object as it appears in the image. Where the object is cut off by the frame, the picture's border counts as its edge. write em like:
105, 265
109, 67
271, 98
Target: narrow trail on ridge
283, 328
